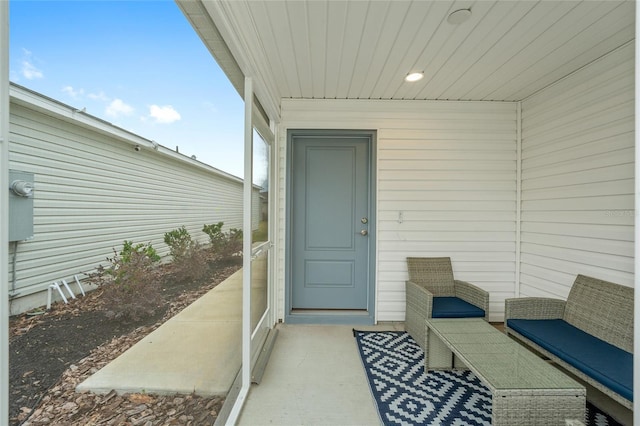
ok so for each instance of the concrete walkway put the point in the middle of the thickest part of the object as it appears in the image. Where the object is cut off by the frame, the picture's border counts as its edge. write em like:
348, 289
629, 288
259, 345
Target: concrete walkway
198, 350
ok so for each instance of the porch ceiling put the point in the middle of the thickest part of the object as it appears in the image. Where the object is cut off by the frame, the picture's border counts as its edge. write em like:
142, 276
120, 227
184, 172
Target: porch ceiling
506, 51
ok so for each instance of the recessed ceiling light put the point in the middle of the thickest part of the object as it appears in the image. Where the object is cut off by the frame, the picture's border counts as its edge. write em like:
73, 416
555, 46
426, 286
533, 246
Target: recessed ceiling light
459, 16
414, 76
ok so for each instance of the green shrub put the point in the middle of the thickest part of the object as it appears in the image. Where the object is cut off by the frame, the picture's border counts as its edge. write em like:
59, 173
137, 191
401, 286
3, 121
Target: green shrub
227, 245
216, 236
194, 265
234, 243
235, 234
189, 259
179, 242
130, 284
144, 249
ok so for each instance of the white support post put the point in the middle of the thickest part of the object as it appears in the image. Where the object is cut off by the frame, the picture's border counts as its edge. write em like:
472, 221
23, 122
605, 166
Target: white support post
4, 212
246, 253
49, 297
75, 277
636, 281
71, 295
55, 286
247, 243
518, 197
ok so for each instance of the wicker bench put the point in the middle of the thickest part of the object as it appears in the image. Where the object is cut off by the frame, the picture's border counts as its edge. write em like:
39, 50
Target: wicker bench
589, 335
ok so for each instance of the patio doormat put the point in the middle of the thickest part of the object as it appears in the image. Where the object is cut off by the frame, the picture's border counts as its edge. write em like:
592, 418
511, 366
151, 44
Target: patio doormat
405, 395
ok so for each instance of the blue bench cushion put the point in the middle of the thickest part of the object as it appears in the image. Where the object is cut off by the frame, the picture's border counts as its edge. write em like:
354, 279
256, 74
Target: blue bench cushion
454, 307
607, 364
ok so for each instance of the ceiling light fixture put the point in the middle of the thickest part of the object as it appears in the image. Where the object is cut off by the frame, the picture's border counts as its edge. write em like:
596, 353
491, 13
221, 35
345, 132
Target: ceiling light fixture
459, 16
414, 76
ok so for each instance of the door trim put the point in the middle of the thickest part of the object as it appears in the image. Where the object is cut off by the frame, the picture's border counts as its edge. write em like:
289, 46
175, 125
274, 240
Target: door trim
364, 317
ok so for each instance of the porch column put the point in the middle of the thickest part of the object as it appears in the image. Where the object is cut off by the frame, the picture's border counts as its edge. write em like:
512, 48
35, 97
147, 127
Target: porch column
636, 281
246, 237
4, 211
246, 253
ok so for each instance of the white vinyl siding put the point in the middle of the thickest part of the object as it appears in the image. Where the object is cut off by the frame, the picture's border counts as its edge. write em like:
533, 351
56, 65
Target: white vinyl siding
93, 191
578, 178
446, 186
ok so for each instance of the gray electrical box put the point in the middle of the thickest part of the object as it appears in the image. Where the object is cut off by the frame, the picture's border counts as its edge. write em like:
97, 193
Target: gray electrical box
20, 205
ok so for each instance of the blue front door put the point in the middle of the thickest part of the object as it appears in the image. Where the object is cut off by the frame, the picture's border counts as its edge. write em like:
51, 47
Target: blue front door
331, 226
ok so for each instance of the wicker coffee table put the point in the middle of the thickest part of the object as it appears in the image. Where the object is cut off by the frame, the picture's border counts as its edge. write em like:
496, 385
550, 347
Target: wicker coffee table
525, 389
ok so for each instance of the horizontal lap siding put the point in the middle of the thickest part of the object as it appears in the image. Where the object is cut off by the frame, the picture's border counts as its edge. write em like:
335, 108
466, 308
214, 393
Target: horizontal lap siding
446, 186
578, 178
92, 192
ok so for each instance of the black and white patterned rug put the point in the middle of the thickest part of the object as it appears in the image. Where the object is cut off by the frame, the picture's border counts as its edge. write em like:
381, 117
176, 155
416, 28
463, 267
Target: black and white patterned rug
406, 395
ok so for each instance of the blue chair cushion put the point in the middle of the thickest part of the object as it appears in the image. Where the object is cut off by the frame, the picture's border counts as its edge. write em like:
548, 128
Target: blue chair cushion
602, 361
454, 307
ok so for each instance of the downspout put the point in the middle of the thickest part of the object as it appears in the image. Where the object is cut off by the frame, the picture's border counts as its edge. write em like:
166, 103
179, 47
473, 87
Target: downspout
246, 254
518, 194
4, 211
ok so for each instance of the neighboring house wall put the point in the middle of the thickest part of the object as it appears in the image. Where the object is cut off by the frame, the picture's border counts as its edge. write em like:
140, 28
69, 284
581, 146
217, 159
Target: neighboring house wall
446, 186
93, 190
578, 178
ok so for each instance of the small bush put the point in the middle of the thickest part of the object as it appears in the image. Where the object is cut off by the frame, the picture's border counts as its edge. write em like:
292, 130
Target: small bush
179, 242
234, 244
189, 259
216, 236
144, 249
131, 289
193, 266
225, 245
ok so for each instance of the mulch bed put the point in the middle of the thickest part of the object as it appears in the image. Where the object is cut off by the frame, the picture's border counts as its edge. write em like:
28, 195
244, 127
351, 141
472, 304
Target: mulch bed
51, 353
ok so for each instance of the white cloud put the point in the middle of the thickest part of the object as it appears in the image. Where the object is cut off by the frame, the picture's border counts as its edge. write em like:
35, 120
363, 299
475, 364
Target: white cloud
164, 114
74, 93
100, 96
118, 108
29, 71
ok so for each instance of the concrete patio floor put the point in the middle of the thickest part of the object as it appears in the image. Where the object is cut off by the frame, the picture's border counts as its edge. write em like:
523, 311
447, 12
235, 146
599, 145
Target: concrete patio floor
314, 377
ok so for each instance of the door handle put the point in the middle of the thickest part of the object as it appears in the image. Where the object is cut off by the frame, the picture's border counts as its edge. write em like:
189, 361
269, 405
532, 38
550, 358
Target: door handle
364, 232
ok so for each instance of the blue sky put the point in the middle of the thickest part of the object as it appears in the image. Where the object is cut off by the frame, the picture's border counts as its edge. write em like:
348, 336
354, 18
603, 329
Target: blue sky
137, 64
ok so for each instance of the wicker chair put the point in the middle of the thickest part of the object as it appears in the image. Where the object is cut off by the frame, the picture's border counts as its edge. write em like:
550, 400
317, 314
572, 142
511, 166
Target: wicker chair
432, 278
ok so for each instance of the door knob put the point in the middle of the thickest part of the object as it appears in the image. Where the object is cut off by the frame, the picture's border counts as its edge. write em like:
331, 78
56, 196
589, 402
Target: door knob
364, 232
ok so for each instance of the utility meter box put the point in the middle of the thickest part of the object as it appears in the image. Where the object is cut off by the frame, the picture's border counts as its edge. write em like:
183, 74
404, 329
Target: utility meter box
20, 205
